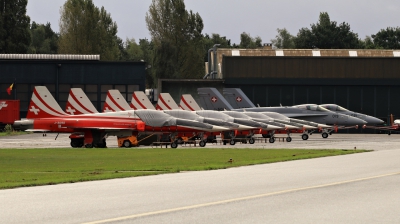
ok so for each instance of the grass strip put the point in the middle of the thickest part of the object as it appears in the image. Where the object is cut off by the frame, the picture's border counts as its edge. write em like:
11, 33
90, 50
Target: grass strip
33, 167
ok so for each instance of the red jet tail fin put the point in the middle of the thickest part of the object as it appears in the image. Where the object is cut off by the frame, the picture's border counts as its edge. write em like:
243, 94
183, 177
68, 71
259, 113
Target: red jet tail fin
141, 101
115, 102
43, 104
391, 120
79, 103
188, 103
165, 102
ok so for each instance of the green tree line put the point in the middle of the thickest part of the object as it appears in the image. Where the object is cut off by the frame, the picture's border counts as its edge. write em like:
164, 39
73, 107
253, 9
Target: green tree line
177, 48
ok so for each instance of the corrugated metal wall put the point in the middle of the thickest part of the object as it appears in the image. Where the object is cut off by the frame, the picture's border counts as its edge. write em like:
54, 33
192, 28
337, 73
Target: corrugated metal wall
369, 85
94, 77
311, 67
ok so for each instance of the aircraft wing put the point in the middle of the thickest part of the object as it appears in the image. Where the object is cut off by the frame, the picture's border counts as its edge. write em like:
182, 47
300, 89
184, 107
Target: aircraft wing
384, 128
37, 130
304, 115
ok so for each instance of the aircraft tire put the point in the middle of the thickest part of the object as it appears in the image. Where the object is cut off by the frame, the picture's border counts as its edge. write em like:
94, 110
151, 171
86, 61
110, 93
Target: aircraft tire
202, 143
74, 144
174, 145
127, 144
251, 140
266, 135
179, 140
271, 140
289, 139
88, 146
325, 135
232, 142
304, 136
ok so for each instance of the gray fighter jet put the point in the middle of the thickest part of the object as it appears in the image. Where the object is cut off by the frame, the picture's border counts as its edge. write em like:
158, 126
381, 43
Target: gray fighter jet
213, 100
369, 119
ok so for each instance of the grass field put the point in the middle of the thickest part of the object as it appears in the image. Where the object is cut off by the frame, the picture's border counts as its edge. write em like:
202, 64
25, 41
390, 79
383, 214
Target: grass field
13, 133
32, 167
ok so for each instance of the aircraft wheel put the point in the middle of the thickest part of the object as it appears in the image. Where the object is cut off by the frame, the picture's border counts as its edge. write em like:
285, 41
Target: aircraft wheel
324, 135
289, 139
179, 140
251, 140
224, 142
266, 135
74, 144
232, 142
127, 144
271, 140
304, 136
80, 143
174, 145
202, 143
88, 146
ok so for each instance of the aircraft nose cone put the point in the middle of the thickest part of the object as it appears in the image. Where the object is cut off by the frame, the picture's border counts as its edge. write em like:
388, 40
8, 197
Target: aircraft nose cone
355, 121
373, 120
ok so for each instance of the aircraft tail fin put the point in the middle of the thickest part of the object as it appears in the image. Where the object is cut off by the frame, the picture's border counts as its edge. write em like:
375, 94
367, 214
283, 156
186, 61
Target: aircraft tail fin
391, 120
140, 101
115, 102
188, 103
43, 104
237, 98
79, 103
165, 102
212, 99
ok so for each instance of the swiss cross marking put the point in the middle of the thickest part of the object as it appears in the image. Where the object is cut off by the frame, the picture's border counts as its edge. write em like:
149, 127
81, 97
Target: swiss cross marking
70, 111
34, 110
238, 99
214, 99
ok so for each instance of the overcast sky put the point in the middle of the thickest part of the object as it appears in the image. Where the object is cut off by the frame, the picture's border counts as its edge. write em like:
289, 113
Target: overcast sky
230, 18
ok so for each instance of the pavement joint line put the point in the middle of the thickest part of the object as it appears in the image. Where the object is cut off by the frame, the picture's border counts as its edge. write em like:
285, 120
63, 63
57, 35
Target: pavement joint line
237, 199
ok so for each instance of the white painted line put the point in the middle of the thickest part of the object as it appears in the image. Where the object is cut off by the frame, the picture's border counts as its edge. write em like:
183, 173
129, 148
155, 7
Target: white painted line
237, 199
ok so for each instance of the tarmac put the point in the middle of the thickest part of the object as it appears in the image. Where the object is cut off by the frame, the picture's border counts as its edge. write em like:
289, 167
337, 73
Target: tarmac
334, 141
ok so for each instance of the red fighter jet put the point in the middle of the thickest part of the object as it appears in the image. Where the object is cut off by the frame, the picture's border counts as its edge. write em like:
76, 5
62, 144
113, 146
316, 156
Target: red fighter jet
394, 126
45, 115
79, 103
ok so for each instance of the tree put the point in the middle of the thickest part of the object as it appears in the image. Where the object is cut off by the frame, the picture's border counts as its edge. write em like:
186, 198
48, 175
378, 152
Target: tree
367, 43
248, 42
284, 40
86, 29
209, 42
326, 34
44, 39
14, 27
147, 50
388, 38
177, 40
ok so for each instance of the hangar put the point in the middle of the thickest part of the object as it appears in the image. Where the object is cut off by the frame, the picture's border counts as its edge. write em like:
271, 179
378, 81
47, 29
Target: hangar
60, 73
365, 81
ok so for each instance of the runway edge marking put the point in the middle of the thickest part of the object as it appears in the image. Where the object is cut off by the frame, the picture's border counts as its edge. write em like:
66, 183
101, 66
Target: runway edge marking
236, 199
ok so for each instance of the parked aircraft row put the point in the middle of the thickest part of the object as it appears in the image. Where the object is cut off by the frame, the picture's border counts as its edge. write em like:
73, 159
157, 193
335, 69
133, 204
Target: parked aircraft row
90, 128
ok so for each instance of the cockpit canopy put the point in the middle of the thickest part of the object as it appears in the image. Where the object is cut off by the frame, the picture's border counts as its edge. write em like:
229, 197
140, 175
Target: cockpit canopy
333, 107
312, 107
